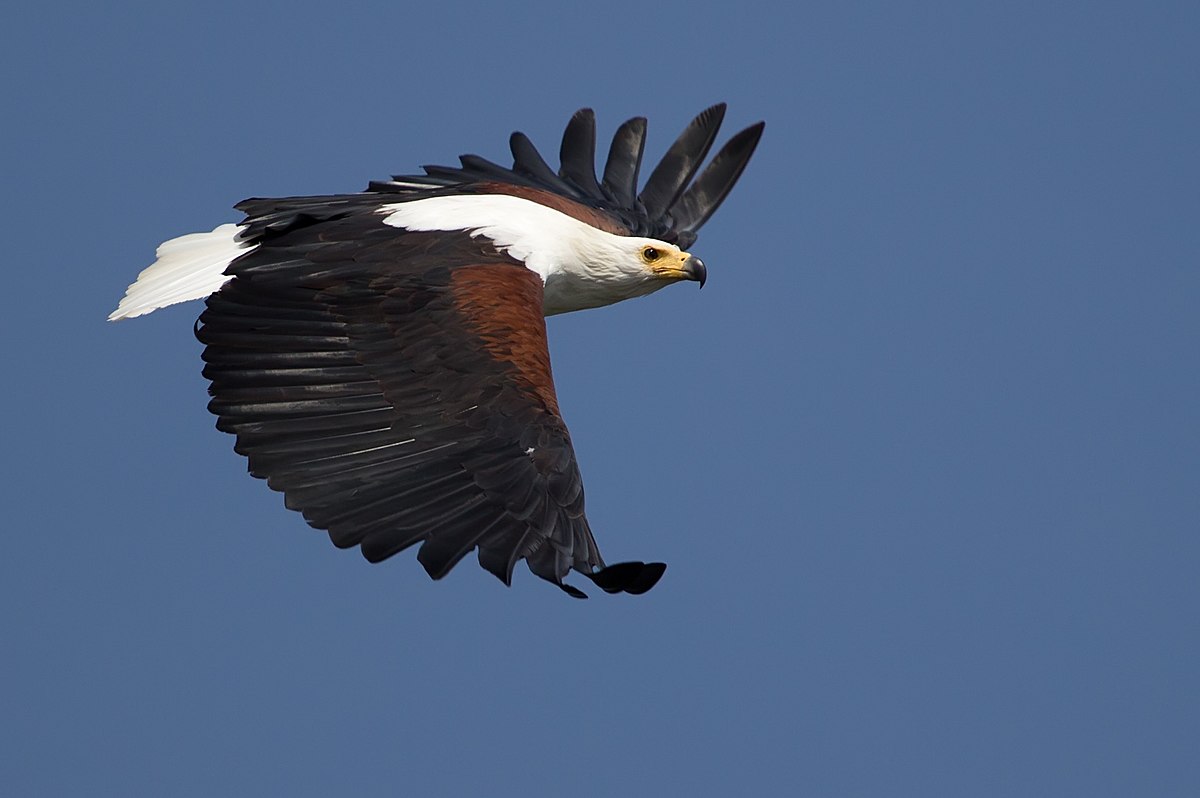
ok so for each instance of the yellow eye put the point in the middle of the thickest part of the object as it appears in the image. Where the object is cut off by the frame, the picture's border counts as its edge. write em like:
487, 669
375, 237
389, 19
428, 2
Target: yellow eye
650, 254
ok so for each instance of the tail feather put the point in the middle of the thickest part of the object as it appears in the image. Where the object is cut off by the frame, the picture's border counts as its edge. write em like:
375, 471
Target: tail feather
189, 267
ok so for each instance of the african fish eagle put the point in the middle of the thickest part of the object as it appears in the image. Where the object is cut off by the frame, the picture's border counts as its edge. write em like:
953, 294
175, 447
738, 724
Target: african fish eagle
381, 356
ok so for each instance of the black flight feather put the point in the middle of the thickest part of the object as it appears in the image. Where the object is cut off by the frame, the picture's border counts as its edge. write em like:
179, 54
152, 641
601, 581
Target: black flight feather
578, 153
681, 162
624, 162
700, 201
529, 162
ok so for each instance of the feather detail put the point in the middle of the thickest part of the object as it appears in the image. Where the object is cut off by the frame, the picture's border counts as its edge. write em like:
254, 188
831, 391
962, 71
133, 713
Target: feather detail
577, 155
189, 267
701, 201
625, 161
681, 162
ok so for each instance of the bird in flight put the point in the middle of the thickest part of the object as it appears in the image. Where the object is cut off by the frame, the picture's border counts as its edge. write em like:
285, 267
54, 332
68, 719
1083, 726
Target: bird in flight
381, 357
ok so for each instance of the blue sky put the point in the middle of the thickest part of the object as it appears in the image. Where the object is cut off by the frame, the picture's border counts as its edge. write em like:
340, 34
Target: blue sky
923, 457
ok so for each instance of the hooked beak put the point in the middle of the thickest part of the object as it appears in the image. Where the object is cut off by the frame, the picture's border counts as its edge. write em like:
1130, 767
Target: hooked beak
693, 269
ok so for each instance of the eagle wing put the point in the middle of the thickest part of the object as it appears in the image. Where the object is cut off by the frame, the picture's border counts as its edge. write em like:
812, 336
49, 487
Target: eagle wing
395, 386
670, 207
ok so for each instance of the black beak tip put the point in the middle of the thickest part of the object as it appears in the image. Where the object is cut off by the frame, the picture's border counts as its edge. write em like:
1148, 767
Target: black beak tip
696, 270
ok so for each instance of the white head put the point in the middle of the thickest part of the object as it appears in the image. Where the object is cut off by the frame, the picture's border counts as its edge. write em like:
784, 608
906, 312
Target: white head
607, 268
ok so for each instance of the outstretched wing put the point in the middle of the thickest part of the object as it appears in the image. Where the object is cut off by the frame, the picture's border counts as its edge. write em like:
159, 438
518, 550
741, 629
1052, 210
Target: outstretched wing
670, 207
396, 387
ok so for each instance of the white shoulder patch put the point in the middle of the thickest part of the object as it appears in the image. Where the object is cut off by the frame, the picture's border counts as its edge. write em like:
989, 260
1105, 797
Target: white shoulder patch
189, 267
540, 237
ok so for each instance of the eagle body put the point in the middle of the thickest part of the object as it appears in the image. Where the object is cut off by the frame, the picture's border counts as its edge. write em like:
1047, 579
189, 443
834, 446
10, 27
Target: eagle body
381, 357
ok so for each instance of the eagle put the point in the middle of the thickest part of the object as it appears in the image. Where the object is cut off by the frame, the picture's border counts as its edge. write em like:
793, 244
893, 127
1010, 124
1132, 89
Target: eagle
381, 356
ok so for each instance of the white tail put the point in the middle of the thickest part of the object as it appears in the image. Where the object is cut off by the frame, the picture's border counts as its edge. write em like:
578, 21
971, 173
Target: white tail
188, 267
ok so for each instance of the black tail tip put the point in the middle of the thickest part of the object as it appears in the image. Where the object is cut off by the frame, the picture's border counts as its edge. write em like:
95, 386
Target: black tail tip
634, 578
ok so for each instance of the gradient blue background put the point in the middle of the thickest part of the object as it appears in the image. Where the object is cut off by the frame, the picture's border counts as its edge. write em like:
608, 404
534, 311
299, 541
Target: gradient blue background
924, 456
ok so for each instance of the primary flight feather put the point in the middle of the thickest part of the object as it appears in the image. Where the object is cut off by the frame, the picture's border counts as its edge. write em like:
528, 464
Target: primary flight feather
381, 356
